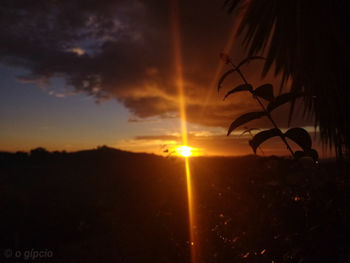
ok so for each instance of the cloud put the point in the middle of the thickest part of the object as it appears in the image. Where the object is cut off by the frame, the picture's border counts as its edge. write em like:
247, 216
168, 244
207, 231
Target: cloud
77, 50
123, 50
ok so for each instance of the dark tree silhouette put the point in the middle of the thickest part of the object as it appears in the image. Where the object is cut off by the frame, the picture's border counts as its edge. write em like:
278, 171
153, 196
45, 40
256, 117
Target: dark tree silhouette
308, 42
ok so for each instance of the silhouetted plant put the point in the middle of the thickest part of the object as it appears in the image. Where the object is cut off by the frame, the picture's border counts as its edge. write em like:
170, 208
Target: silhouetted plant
299, 135
290, 34
249, 131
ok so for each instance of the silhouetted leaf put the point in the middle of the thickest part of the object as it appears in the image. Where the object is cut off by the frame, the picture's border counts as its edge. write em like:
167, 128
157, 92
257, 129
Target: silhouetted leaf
223, 77
314, 154
244, 119
227, 73
265, 91
308, 153
261, 137
282, 99
243, 87
274, 29
300, 136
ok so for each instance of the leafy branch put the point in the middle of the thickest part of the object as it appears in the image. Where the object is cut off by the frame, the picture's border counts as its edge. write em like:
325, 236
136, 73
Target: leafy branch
299, 135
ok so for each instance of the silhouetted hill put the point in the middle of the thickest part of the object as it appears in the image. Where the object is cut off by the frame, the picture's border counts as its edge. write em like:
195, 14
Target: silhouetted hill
107, 205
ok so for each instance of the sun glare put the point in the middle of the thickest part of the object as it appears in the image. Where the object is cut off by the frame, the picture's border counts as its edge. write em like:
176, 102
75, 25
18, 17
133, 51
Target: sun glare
184, 151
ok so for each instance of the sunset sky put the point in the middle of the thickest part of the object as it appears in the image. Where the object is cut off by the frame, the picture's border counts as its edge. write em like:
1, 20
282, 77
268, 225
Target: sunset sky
78, 74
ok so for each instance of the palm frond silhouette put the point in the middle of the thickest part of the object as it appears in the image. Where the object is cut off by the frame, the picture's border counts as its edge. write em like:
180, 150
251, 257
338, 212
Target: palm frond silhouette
308, 42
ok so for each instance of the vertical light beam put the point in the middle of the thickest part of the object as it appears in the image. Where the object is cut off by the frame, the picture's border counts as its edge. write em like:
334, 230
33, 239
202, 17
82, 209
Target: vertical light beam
175, 23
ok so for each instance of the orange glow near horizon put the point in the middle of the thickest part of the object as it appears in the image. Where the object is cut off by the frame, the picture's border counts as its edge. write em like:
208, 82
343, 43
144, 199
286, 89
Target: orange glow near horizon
184, 151
182, 109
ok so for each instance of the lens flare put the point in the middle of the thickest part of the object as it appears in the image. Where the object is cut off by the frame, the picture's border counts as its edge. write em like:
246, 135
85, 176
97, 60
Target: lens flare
182, 109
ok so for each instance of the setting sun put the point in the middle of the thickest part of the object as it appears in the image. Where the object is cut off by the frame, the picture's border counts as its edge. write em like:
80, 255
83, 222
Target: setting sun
184, 151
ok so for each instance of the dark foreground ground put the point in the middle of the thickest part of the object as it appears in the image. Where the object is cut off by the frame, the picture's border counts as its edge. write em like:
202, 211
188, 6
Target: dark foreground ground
107, 205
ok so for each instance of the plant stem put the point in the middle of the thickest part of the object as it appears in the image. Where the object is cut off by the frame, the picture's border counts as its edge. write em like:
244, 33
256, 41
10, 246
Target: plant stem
265, 110
275, 125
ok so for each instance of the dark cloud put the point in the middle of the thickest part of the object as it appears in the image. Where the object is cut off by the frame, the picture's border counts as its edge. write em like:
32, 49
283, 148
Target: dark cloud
123, 50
